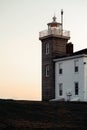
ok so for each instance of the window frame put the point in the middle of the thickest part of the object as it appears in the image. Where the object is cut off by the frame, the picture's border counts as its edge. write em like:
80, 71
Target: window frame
60, 69
76, 66
47, 47
76, 88
60, 89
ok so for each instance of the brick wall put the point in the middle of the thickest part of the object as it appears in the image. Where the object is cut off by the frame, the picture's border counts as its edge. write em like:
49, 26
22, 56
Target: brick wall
57, 47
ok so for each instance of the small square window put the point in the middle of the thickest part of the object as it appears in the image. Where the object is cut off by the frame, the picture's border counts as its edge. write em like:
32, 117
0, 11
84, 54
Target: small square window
60, 71
76, 68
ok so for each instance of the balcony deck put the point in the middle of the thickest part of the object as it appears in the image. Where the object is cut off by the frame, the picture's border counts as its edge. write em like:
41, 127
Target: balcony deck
54, 32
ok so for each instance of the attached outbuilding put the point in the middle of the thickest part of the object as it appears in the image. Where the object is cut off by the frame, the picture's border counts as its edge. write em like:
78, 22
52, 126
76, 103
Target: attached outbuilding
71, 77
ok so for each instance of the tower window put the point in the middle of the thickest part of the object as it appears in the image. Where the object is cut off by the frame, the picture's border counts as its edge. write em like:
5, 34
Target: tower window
47, 71
76, 63
47, 48
60, 68
76, 88
60, 89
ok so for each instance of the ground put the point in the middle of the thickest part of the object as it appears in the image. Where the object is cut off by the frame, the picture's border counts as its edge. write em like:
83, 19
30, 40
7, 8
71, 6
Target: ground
29, 115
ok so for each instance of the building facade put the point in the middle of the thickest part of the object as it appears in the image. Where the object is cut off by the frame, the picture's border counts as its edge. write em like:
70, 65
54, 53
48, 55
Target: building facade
71, 78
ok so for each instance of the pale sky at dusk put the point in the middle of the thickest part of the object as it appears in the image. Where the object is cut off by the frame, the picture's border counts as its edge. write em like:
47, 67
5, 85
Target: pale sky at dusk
20, 48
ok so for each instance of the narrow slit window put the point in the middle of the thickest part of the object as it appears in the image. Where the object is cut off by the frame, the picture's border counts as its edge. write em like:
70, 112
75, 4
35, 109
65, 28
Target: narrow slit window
60, 89
60, 68
76, 88
47, 70
47, 48
76, 66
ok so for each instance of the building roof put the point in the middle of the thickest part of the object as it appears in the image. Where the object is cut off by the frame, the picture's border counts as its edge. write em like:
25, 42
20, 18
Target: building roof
83, 51
77, 54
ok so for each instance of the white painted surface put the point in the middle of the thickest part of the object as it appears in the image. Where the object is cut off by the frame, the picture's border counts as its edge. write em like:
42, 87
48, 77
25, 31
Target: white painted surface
85, 79
69, 77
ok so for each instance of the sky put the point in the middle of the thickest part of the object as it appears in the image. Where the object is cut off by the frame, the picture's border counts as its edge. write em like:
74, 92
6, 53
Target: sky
20, 48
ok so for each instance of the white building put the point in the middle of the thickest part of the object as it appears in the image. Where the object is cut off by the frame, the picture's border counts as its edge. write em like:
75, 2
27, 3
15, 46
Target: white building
71, 77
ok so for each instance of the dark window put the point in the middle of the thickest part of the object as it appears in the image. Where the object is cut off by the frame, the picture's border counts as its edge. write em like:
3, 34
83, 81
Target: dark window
76, 65
60, 89
76, 68
60, 68
76, 88
60, 71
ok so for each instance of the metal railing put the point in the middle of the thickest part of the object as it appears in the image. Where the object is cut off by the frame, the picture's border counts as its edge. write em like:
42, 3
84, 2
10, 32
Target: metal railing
56, 32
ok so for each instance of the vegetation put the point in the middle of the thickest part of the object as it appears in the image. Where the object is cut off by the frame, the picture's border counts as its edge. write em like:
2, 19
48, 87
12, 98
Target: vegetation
29, 115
